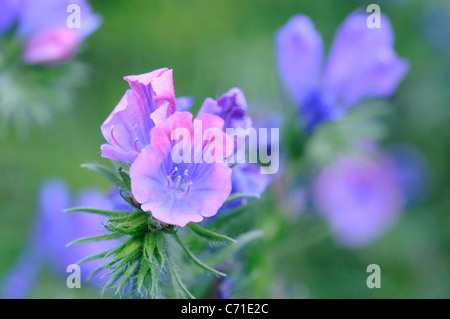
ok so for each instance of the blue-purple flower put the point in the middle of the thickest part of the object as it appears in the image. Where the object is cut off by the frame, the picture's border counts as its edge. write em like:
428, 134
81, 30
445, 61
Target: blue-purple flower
175, 192
53, 230
361, 197
361, 64
43, 27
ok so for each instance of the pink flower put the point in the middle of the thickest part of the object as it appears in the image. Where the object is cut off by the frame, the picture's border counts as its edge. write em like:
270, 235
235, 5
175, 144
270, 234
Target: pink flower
177, 192
51, 47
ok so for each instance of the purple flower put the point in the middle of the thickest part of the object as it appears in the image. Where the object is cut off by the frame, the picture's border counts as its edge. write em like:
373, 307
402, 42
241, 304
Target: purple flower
231, 107
361, 64
360, 197
247, 178
127, 128
178, 193
53, 230
44, 26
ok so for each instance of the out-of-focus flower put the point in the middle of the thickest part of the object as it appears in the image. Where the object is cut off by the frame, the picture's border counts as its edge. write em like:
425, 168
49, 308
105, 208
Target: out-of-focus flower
179, 193
44, 26
9, 10
231, 106
411, 171
50, 47
53, 230
361, 64
127, 128
360, 197
184, 103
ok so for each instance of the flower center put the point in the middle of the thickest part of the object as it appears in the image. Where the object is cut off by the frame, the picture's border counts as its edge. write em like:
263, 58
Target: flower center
179, 184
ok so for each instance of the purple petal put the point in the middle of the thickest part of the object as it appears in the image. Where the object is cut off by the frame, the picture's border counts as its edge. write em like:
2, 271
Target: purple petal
231, 107
299, 55
9, 11
360, 197
354, 48
184, 103
127, 129
378, 78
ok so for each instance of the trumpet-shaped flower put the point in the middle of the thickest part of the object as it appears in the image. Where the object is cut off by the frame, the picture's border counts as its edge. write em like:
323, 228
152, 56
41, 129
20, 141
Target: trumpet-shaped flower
127, 129
178, 192
361, 64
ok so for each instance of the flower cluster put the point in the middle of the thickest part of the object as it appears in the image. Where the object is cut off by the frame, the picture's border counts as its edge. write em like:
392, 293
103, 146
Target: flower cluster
140, 131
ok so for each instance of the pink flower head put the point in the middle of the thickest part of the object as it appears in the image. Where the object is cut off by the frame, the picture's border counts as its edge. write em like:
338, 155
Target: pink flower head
178, 192
51, 47
150, 100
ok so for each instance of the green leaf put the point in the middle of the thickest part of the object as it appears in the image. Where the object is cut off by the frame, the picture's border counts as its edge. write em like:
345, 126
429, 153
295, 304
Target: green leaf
127, 275
241, 242
143, 271
210, 235
94, 257
129, 250
102, 212
180, 282
104, 170
196, 260
149, 246
235, 196
94, 239
160, 250
125, 178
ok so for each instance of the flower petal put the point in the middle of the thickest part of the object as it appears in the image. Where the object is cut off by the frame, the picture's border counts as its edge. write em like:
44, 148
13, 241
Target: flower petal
354, 46
299, 52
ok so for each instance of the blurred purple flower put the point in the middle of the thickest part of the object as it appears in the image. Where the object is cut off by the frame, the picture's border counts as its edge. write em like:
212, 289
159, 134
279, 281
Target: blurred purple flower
127, 128
43, 26
412, 171
179, 193
360, 197
53, 230
231, 106
361, 64
9, 11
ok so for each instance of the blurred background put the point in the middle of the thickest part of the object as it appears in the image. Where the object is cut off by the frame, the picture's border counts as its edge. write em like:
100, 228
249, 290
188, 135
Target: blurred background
214, 46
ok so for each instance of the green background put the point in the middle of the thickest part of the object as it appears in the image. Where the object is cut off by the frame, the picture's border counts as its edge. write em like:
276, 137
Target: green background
216, 45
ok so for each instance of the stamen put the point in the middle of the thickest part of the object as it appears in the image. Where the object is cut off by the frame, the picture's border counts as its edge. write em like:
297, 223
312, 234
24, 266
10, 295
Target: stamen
135, 145
114, 139
189, 182
169, 178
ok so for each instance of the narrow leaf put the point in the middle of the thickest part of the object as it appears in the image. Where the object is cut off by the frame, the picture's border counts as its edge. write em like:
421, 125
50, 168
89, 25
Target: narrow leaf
109, 213
196, 260
104, 170
94, 238
235, 196
94, 257
210, 235
180, 282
